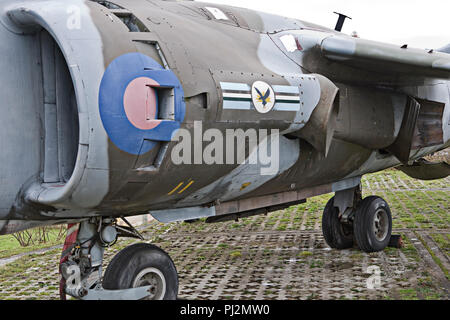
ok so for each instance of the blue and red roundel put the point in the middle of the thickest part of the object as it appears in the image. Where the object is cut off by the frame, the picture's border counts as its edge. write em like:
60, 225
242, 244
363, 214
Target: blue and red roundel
128, 102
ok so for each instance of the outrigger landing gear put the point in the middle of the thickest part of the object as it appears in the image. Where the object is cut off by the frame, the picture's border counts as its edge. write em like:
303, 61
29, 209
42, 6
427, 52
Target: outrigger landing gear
138, 272
348, 219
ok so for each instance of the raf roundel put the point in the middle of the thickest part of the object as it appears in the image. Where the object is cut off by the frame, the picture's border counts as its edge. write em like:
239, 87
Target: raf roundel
141, 103
130, 105
263, 97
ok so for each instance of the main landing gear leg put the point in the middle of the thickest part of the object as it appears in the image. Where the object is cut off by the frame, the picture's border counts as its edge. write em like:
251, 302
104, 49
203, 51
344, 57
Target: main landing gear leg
348, 219
140, 271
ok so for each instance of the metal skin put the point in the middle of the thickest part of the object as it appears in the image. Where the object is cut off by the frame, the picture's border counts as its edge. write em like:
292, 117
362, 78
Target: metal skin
72, 147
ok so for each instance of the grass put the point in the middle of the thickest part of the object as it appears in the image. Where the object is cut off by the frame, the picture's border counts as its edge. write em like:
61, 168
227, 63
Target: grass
408, 294
235, 254
442, 241
305, 254
9, 246
435, 258
413, 207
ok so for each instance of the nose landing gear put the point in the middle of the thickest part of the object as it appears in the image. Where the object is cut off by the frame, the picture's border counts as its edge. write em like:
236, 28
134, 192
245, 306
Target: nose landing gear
143, 265
140, 271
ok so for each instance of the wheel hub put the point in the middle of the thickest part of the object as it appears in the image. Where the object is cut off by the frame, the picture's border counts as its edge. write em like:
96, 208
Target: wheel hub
155, 279
381, 224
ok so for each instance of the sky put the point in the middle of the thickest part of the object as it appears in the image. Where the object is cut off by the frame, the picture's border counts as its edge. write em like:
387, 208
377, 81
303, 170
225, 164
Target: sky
418, 23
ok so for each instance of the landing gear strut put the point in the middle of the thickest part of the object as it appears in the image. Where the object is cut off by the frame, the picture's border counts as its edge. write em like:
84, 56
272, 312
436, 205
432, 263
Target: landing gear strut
141, 271
348, 219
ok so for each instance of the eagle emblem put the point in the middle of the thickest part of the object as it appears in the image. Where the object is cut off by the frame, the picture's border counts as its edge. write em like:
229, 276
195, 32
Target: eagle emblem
263, 97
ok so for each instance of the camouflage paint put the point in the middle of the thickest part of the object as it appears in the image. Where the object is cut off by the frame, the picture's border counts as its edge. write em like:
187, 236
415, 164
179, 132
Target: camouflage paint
184, 40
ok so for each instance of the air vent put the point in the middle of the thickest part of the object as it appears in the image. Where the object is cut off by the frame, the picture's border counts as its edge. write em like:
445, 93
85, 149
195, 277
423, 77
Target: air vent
131, 21
109, 5
428, 131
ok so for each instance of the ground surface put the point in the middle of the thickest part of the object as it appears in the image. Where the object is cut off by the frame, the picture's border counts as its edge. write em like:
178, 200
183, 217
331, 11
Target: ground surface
283, 255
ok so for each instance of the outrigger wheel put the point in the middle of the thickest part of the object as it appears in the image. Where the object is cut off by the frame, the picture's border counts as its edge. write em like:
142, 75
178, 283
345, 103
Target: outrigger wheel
142, 265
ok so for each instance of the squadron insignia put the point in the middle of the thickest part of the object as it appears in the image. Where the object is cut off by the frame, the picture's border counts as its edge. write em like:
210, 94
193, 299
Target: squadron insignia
263, 97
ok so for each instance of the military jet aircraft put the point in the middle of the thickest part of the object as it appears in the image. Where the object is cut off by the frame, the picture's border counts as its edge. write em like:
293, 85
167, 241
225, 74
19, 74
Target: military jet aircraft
98, 96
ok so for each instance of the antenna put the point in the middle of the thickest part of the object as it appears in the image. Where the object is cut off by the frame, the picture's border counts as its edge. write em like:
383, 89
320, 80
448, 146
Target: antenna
341, 20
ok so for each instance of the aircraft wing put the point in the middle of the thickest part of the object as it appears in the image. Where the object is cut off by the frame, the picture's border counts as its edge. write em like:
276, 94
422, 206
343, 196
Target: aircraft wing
386, 58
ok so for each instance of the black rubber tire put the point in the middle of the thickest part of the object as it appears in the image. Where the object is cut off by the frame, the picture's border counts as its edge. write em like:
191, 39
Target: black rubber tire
192, 221
336, 235
363, 225
127, 264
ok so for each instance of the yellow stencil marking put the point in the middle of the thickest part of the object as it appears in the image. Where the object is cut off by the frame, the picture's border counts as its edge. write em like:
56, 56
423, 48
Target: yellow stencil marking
245, 185
176, 188
185, 188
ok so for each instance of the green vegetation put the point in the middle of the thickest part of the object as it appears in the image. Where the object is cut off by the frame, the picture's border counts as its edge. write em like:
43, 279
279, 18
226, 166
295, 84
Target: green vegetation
235, 254
443, 242
10, 246
435, 258
305, 253
262, 247
408, 294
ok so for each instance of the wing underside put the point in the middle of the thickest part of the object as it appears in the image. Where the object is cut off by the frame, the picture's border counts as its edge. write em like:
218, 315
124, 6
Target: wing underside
386, 58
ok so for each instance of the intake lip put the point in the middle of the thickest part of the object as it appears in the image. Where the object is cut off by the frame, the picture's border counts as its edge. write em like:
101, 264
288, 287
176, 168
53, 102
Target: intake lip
82, 51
